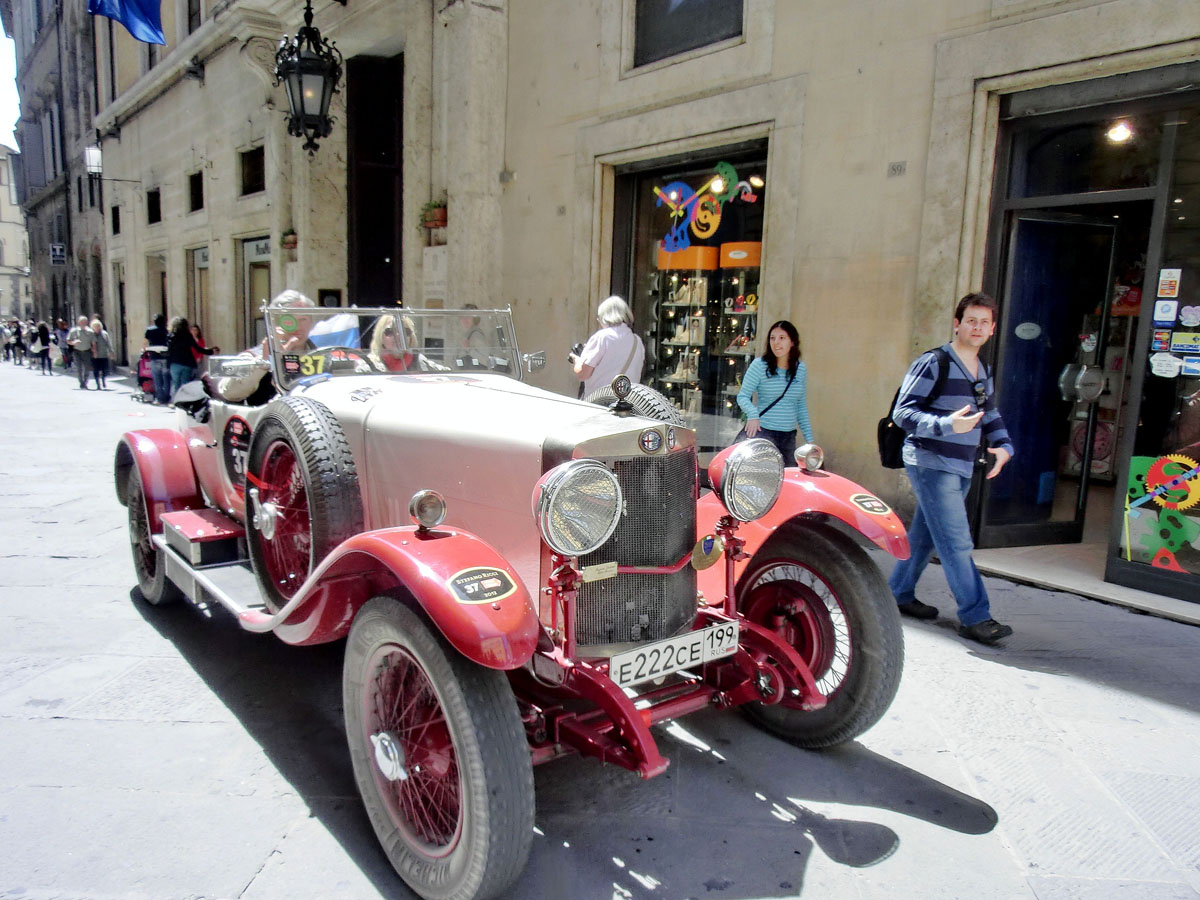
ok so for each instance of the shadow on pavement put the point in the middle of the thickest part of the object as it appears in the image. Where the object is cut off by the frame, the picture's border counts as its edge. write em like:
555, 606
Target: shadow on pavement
289, 701
601, 831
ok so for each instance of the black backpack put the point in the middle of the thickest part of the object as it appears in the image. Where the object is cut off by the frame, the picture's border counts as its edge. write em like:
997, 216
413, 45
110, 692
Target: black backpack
889, 434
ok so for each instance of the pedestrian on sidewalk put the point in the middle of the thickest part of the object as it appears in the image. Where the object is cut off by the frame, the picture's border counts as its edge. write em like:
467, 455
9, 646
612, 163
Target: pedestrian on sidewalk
940, 453
79, 340
18, 342
6, 338
101, 352
41, 345
181, 350
157, 338
60, 338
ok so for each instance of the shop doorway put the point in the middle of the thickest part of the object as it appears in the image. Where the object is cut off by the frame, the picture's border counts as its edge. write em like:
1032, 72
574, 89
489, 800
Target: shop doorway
1070, 298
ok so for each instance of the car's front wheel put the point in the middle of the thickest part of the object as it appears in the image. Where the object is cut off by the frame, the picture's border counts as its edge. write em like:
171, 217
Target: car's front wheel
821, 593
439, 754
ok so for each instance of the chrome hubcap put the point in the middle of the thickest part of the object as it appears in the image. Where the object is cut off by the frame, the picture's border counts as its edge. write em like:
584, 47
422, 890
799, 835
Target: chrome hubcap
389, 757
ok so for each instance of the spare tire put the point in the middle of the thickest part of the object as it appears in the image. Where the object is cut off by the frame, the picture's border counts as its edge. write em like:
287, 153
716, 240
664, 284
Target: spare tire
645, 400
302, 493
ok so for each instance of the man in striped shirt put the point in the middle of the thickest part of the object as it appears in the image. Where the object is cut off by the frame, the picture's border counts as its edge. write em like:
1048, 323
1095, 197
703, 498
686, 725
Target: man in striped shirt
939, 454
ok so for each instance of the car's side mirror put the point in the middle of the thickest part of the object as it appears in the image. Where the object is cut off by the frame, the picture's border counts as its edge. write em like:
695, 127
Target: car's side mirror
534, 362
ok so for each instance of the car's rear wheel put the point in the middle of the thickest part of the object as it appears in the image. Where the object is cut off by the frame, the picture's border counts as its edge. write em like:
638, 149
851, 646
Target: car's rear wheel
148, 561
439, 754
303, 494
821, 593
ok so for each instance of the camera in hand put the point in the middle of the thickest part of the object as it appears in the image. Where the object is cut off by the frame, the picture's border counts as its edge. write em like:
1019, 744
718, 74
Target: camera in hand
576, 349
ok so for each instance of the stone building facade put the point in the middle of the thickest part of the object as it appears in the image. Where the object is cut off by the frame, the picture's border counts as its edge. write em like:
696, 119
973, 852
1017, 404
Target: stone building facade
16, 300
888, 139
62, 203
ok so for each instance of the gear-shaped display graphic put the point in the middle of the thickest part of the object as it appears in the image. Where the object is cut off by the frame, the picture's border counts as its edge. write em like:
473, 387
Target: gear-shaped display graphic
1174, 482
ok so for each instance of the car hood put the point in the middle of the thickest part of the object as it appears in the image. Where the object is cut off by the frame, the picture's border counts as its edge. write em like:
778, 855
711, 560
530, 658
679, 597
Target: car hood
480, 440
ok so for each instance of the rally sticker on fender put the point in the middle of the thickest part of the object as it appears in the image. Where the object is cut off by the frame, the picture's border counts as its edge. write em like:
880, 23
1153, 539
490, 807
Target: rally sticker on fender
871, 504
481, 585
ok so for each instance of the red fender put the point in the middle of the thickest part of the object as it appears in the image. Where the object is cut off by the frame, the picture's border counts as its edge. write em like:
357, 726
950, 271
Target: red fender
469, 591
165, 466
814, 494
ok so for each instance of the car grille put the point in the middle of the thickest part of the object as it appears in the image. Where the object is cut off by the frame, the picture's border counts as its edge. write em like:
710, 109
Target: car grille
657, 529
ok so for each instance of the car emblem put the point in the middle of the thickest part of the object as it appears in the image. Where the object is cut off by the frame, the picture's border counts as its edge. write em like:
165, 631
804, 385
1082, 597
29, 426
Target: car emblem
672, 438
651, 440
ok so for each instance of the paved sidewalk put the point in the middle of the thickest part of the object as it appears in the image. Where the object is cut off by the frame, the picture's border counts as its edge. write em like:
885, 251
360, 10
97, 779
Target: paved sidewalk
162, 754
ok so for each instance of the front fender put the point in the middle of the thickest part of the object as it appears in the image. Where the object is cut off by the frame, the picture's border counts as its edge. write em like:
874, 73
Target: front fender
468, 590
813, 495
165, 468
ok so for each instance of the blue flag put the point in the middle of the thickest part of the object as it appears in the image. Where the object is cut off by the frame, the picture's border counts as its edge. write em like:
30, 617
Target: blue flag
141, 18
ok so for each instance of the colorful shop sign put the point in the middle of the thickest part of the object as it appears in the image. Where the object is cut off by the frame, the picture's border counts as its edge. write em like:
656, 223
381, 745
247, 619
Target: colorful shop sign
700, 210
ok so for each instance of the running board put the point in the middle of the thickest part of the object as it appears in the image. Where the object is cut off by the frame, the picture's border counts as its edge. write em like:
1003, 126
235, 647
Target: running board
222, 583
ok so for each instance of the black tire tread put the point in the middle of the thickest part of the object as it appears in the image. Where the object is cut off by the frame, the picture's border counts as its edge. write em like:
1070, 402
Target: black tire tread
498, 750
646, 402
330, 478
879, 649
155, 587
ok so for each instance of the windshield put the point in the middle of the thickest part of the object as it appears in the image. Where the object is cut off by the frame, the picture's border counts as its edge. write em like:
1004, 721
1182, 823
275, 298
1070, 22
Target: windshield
307, 343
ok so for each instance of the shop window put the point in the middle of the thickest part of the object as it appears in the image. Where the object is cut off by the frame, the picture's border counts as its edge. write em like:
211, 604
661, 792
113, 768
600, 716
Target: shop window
687, 258
1113, 153
153, 207
254, 173
195, 191
664, 28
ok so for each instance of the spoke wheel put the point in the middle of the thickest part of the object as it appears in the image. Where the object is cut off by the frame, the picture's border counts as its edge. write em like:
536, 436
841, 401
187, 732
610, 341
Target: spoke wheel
439, 754
303, 495
148, 562
821, 593
287, 555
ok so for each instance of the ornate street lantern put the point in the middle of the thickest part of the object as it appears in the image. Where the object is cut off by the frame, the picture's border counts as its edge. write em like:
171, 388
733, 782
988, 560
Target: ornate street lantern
309, 67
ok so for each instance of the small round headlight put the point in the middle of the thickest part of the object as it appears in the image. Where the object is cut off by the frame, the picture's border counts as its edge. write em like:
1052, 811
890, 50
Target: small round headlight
810, 457
427, 509
578, 506
748, 477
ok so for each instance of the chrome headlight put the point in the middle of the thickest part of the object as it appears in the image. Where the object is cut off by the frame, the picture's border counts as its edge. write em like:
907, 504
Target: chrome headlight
427, 509
577, 505
810, 457
748, 477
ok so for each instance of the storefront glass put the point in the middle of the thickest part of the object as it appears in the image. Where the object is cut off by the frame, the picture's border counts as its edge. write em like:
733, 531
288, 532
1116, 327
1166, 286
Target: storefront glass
694, 264
1161, 522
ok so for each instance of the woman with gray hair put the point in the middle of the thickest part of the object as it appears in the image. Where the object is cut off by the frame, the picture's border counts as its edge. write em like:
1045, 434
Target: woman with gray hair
613, 350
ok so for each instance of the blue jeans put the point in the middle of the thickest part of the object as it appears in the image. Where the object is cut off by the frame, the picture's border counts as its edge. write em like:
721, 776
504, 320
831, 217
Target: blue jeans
941, 522
181, 375
161, 374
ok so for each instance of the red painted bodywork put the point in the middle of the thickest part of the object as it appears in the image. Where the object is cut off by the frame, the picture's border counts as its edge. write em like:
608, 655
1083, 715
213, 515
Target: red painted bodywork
500, 634
165, 466
803, 494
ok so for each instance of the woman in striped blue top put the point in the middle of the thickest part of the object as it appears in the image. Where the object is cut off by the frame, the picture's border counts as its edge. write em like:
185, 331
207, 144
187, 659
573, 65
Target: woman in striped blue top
773, 394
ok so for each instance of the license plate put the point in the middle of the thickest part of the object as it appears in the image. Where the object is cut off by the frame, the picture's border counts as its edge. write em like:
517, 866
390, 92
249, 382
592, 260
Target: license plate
673, 654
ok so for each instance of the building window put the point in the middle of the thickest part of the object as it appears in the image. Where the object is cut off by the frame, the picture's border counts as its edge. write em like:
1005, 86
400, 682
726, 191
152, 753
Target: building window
665, 28
194, 16
195, 191
79, 192
116, 220
153, 206
112, 62
151, 56
254, 174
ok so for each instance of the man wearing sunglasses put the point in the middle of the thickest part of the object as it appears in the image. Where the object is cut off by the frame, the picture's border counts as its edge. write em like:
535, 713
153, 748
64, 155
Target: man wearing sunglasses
942, 447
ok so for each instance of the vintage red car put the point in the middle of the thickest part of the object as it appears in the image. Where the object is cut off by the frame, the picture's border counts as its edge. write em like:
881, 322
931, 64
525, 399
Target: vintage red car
517, 575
